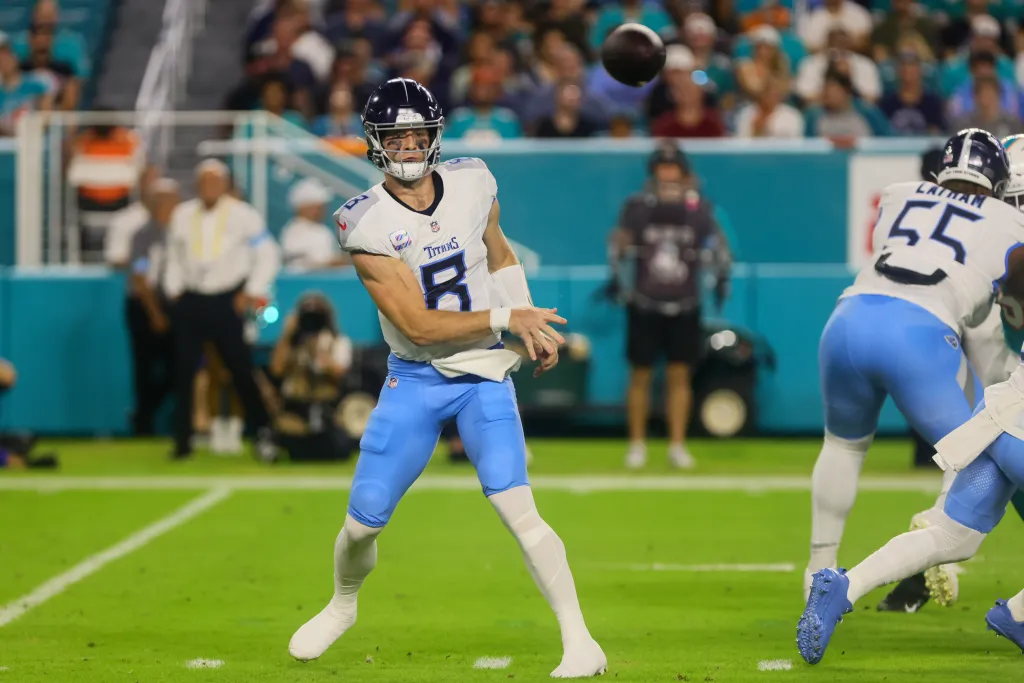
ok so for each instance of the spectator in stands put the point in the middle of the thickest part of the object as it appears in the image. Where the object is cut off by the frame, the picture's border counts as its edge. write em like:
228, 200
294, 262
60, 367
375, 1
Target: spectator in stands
904, 17
341, 120
988, 112
911, 108
66, 47
621, 126
480, 51
309, 361
306, 243
19, 92
567, 121
714, 68
817, 26
976, 21
983, 65
769, 116
690, 117
105, 166
309, 46
766, 13
15, 449
482, 120
350, 19
277, 98
146, 311
420, 56
129, 220
540, 101
440, 27
566, 16
610, 16
837, 118
961, 67
351, 70
768, 61
61, 76
863, 73
550, 46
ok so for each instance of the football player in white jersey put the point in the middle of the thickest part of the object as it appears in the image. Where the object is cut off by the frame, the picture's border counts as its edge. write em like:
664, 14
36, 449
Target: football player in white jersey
943, 250
427, 246
979, 495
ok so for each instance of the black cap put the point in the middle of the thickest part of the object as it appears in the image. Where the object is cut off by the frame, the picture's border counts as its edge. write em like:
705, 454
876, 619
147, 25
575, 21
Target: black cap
669, 153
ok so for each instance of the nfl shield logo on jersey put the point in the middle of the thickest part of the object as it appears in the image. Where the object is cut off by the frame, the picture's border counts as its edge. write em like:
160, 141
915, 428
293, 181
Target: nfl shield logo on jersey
400, 239
392, 382
434, 227
953, 341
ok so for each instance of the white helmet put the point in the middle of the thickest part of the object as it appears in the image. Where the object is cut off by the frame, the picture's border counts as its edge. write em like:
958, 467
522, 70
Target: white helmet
1014, 146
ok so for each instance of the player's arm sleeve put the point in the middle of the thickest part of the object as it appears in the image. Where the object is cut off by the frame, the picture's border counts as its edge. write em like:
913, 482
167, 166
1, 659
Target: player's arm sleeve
619, 239
266, 254
718, 248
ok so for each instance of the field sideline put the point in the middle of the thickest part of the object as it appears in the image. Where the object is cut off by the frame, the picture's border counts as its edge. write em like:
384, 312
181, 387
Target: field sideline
127, 567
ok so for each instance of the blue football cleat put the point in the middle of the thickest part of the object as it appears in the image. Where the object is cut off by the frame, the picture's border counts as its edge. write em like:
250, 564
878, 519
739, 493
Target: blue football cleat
825, 608
1001, 621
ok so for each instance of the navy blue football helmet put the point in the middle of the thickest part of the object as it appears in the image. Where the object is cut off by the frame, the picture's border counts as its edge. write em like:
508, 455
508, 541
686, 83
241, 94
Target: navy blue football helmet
400, 105
976, 156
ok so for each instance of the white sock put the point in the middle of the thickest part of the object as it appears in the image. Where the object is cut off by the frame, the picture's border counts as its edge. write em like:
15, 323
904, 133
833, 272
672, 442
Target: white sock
913, 552
833, 491
1016, 605
545, 559
355, 556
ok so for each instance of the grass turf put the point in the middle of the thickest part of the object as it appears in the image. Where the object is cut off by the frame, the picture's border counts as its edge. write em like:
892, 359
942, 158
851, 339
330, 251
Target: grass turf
450, 585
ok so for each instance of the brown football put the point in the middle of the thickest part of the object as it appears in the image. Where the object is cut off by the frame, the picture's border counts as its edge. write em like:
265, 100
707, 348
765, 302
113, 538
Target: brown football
633, 54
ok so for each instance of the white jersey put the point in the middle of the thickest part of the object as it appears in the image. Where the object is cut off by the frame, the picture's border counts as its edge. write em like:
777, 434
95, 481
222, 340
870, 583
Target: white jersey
443, 247
941, 250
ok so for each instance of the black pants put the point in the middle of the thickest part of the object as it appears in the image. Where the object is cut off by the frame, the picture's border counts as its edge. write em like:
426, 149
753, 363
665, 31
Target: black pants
152, 366
198, 318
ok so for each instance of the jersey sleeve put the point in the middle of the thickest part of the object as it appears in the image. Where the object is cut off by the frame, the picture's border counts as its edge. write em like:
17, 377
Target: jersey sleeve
353, 228
475, 165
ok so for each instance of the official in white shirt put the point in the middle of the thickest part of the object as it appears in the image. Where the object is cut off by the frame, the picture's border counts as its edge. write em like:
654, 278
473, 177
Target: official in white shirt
220, 260
308, 244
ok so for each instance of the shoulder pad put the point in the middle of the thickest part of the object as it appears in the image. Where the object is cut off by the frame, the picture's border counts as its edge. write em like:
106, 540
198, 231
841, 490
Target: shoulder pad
347, 218
460, 163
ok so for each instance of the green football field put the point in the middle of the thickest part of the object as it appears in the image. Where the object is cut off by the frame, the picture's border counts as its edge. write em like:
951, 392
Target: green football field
126, 567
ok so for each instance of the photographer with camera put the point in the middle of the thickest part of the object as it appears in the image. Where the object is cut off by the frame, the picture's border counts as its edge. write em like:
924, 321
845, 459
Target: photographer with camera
309, 362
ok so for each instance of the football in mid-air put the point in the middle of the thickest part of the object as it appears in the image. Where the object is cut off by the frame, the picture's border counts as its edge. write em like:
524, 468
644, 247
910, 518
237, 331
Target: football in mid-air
633, 54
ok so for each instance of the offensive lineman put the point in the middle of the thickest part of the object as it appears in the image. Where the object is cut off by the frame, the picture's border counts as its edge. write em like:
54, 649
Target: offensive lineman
979, 495
426, 243
941, 250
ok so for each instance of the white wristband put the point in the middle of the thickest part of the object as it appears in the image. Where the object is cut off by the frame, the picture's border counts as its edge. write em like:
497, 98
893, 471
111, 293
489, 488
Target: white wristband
500, 318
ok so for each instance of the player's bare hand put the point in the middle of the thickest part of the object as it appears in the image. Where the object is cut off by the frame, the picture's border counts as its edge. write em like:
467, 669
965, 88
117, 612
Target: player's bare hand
547, 362
533, 326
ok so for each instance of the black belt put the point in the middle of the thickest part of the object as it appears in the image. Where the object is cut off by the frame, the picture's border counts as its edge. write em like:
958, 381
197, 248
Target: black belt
904, 276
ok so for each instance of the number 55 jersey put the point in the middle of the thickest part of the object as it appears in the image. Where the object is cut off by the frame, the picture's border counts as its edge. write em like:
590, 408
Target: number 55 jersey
442, 245
942, 250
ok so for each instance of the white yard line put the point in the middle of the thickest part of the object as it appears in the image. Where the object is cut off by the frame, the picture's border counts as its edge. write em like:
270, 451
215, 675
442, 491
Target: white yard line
774, 665
575, 483
492, 663
204, 663
778, 568
94, 563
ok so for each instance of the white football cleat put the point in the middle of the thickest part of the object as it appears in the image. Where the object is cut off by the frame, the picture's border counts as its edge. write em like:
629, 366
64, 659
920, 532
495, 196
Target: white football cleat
582, 661
319, 633
636, 456
942, 581
680, 457
219, 435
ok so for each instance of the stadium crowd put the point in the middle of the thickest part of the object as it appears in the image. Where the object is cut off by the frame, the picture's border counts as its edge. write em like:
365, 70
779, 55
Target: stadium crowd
841, 69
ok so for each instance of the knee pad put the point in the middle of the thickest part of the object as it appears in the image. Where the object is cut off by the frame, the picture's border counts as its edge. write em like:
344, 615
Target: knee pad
370, 503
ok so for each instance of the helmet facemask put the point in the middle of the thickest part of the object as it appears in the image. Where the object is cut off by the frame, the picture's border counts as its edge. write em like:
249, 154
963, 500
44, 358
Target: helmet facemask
388, 143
